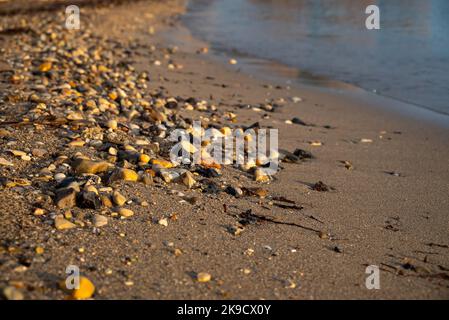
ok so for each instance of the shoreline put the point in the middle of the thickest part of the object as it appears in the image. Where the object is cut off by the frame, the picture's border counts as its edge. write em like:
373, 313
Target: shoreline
277, 72
387, 205
233, 44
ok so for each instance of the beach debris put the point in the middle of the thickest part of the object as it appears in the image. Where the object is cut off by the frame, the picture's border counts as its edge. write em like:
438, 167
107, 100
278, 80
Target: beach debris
296, 99
315, 143
348, 165
303, 154
235, 229
288, 157
337, 249
234, 191
394, 173
321, 186
232, 61
296, 120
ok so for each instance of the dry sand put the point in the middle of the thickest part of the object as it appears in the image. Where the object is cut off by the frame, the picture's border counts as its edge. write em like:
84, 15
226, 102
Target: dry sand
399, 223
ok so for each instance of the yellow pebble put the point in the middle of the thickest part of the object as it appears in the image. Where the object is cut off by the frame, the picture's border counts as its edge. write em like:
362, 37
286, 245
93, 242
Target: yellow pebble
85, 291
203, 277
39, 250
144, 158
44, 67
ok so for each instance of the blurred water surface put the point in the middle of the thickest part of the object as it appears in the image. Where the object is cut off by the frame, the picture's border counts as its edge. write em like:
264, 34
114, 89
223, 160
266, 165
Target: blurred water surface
408, 59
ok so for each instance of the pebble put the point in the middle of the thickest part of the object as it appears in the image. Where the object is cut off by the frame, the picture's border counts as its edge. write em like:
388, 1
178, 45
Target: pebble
89, 200
188, 179
62, 224
12, 293
163, 222
188, 147
125, 212
144, 158
65, 198
85, 291
106, 201
261, 176
100, 220
162, 163
4, 162
118, 198
76, 143
236, 230
38, 152
59, 177
39, 250
296, 120
39, 212
315, 143
112, 124
203, 277
234, 191
88, 166
124, 174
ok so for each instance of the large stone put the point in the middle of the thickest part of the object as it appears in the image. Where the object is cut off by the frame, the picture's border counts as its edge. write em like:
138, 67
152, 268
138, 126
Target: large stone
65, 198
89, 166
123, 174
89, 200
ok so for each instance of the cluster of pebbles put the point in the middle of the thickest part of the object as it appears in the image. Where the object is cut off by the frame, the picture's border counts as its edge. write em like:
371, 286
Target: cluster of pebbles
103, 122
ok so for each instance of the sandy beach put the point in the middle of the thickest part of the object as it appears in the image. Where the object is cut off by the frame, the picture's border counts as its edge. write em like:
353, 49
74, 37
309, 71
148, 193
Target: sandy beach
384, 172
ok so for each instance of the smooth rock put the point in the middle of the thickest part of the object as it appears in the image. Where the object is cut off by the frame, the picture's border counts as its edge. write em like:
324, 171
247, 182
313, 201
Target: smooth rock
100, 221
65, 198
12, 293
124, 174
89, 200
89, 166
203, 277
63, 224
118, 198
125, 212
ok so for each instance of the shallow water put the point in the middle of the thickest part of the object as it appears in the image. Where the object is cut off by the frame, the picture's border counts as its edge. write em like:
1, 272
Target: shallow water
408, 58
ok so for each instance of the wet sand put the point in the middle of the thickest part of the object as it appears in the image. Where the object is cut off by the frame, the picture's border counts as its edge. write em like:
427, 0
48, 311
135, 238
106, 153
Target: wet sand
389, 210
